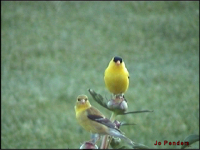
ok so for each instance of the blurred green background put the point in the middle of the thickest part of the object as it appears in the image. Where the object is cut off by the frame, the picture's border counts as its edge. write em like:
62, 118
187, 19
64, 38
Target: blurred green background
53, 51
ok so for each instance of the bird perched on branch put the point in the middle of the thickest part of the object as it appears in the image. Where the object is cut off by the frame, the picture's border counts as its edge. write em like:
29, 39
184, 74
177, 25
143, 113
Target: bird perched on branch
92, 120
116, 76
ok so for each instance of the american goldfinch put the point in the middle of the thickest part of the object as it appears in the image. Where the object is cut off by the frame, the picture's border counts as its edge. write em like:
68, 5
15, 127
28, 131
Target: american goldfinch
116, 76
92, 120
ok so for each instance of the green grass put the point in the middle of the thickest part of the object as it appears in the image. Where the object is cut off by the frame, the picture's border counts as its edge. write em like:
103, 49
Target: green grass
53, 51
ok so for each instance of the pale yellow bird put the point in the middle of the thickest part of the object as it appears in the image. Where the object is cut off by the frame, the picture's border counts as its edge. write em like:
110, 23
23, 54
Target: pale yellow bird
92, 120
116, 76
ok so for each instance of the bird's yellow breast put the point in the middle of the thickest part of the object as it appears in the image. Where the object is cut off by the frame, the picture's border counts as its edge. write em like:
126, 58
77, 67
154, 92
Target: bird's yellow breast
89, 125
116, 79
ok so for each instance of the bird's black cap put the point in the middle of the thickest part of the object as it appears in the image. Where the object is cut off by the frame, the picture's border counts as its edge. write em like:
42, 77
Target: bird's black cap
116, 58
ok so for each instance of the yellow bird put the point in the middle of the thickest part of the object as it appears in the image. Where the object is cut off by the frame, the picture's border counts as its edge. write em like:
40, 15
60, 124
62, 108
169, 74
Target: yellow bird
116, 76
92, 120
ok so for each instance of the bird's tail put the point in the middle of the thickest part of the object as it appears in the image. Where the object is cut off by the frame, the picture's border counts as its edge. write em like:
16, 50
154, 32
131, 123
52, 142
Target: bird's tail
116, 133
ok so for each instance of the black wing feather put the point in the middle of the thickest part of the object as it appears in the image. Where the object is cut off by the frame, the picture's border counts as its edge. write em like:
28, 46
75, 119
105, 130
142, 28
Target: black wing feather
103, 121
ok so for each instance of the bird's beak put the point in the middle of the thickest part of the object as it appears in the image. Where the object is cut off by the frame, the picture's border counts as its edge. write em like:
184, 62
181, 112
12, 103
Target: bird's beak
82, 101
118, 62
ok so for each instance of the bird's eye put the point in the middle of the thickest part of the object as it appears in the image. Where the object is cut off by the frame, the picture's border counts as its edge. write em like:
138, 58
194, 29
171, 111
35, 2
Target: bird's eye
86, 99
79, 99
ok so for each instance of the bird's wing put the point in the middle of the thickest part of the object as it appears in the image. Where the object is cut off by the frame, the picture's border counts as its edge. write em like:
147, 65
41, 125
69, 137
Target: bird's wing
102, 120
95, 115
93, 111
